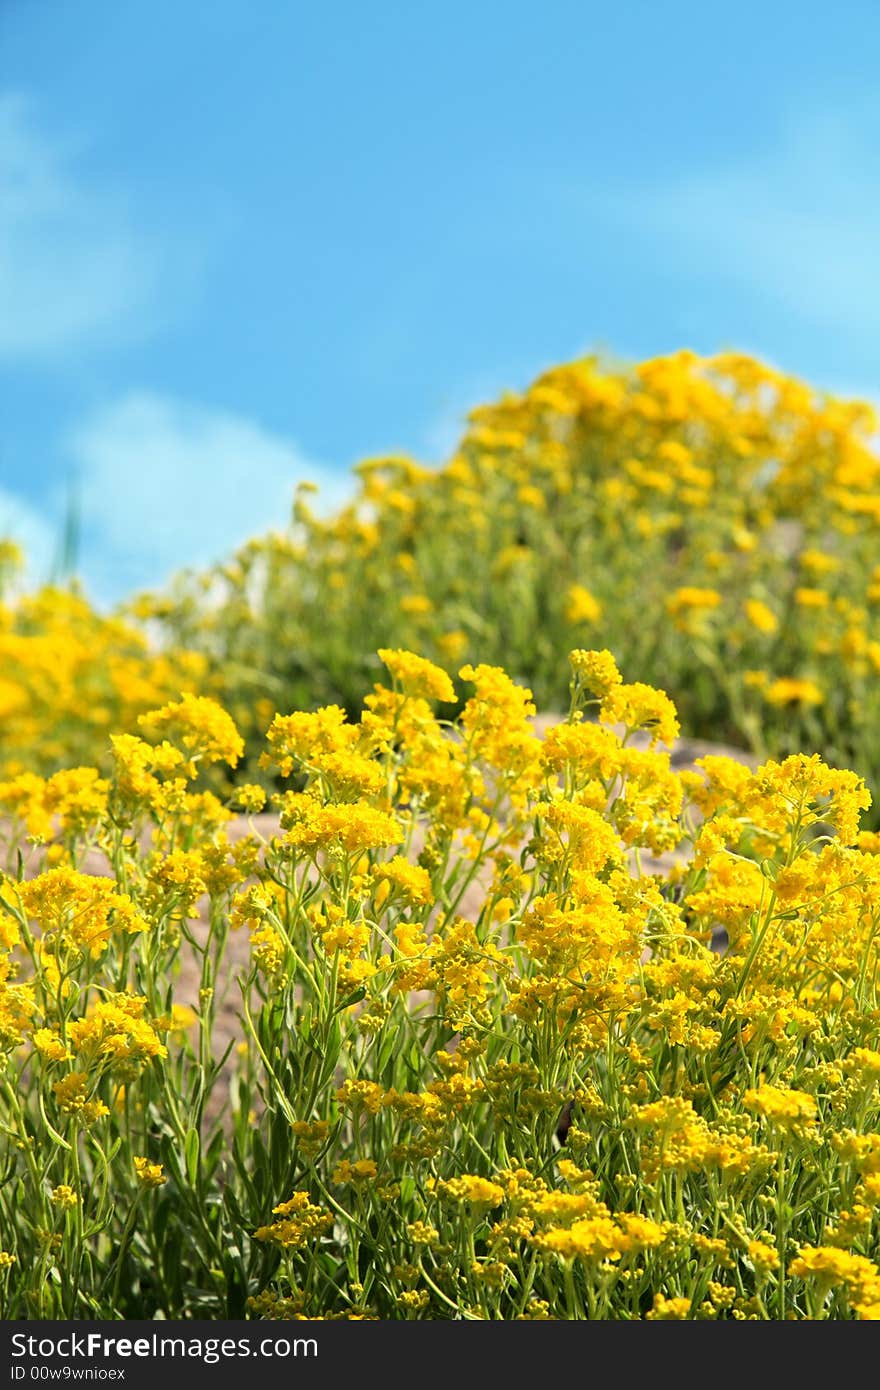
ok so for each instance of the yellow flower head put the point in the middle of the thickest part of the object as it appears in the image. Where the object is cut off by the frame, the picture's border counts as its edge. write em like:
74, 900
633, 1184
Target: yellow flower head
581, 606
791, 690
205, 731
787, 1108
64, 1197
760, 616
417, 677
149, 1174
596, 670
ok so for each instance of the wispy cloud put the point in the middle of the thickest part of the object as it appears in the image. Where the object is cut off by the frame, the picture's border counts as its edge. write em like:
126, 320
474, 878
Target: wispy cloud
167, 484
74, 271
796, 223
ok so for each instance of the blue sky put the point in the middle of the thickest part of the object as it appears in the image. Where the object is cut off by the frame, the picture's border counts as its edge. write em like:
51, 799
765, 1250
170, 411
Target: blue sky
244, 244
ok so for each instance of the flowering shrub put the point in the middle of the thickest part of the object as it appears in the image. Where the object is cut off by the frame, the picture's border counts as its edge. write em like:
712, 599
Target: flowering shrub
712, 522
491, 1055
68, 676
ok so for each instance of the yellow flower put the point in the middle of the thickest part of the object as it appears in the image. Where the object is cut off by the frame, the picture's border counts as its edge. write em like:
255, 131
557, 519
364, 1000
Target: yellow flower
205, 730
453, 645
790, 690
307, 738
182, 1018
597, 671
64, 1196
418, 677
251, 798
410, 883
420, 1233
479, 1192
361, 1095
416, 605
670, 1309
299, 1222
760, 616
864, 1064
639, 706
581, 606
70, 1093
78, 797
693, 597
787, 1108
116, 1030
149, 1174
831, 1266
309, 826
49, 1045
819, 562
593, 1239
811, 598
763, 1256
80, 910
361, 1171
311, 1135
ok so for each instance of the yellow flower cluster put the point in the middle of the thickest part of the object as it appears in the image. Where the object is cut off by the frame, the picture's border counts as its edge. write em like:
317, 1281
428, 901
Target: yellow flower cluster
69, 677
709, 519
508, 1061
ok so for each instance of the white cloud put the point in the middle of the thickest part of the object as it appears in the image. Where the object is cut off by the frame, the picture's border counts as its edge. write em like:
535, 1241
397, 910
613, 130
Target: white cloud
796, 223
166, 484
73, 271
